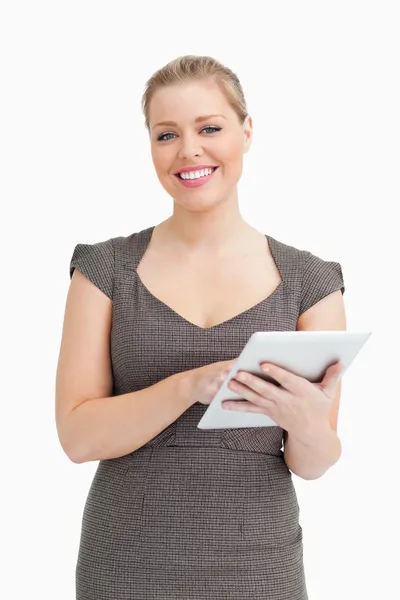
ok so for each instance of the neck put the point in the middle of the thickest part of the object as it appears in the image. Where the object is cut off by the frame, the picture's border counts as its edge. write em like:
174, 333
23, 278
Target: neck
219, 229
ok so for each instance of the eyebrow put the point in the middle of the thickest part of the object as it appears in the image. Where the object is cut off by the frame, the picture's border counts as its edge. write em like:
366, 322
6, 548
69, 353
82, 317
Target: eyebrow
197, 120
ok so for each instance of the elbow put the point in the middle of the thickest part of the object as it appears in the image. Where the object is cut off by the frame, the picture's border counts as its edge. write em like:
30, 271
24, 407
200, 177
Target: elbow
312, 476
70, 444
75, 457
72, 451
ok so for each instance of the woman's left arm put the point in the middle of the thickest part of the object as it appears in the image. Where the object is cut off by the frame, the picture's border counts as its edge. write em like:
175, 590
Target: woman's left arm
307, 412
310, 456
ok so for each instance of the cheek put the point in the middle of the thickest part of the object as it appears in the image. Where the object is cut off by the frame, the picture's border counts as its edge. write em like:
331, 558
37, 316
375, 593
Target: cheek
231, 153
160, 161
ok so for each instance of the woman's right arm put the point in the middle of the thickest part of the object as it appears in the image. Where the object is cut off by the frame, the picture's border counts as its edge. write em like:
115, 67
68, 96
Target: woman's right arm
91, 423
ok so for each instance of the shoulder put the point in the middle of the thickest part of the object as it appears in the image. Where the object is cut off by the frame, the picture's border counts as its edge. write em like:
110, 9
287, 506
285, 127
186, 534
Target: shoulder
102, 251
316, 276
97, 260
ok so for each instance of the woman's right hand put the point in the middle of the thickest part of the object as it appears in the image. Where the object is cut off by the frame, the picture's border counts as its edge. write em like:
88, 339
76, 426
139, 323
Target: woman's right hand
206, 381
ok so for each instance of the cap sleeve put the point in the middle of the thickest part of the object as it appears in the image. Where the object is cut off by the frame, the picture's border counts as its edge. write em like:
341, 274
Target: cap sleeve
320, 278
96, 262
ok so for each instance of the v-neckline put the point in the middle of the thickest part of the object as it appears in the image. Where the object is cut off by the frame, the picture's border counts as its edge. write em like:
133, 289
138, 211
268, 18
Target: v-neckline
270, 241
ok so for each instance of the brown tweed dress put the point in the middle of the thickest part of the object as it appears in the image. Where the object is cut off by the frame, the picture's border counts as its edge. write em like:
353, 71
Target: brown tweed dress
193, 514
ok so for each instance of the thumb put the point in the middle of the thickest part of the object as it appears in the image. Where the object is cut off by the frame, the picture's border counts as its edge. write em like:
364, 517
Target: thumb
228, 364
331, 378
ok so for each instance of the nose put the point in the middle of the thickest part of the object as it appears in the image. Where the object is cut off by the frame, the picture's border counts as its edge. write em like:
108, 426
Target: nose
189, 146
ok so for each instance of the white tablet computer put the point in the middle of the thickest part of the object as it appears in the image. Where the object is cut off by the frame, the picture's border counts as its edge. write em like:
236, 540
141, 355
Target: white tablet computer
305, 353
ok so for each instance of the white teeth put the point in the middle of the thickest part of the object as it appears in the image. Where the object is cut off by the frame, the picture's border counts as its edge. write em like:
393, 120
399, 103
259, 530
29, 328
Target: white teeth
196, 174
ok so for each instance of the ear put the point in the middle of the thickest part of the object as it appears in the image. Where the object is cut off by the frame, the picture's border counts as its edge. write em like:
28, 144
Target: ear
248, 133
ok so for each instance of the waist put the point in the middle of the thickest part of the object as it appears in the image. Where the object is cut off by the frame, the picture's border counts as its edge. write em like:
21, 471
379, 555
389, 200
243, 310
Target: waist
175, 453
254, 440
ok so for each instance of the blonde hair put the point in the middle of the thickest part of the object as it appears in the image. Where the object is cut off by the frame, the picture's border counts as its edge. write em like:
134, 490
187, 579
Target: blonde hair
193, 68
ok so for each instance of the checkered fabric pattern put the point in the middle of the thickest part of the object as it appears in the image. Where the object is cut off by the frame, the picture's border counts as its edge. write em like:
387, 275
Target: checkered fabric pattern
193, 514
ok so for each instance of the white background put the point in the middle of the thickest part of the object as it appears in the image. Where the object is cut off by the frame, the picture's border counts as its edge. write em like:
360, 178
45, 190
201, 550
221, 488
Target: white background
321, 81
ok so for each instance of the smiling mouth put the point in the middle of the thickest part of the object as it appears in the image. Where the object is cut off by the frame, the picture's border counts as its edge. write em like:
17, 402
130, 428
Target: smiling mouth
193, 175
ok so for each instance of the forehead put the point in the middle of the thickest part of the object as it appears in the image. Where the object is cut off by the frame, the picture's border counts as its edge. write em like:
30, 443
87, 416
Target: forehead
184, 102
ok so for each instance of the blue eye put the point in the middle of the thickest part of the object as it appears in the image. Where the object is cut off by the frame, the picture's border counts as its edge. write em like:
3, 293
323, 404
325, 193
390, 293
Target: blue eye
163, 137
213, 128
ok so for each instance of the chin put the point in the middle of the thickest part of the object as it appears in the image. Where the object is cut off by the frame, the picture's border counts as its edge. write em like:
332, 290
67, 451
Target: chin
199, 201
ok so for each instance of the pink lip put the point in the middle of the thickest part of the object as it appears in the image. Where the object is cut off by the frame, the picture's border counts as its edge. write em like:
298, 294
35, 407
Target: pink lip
195, 168
191, 183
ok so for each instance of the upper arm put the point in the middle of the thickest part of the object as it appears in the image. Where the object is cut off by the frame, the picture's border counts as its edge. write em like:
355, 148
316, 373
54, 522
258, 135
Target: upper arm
84, 368
322, 309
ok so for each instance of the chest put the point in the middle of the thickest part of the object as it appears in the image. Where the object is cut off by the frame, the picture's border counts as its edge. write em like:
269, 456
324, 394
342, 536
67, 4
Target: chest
209, 292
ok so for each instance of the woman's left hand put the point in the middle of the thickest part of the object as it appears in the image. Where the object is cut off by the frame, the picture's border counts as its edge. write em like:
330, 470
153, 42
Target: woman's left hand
297, 406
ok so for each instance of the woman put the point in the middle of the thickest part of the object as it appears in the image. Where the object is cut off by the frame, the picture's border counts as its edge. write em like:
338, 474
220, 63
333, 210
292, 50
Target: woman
153, 323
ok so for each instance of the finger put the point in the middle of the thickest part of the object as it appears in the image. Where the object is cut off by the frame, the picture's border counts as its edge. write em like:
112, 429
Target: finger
288, 380
247, 393
263, 388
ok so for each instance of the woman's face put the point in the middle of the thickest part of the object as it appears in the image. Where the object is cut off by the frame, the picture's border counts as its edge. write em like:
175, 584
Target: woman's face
193, 126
